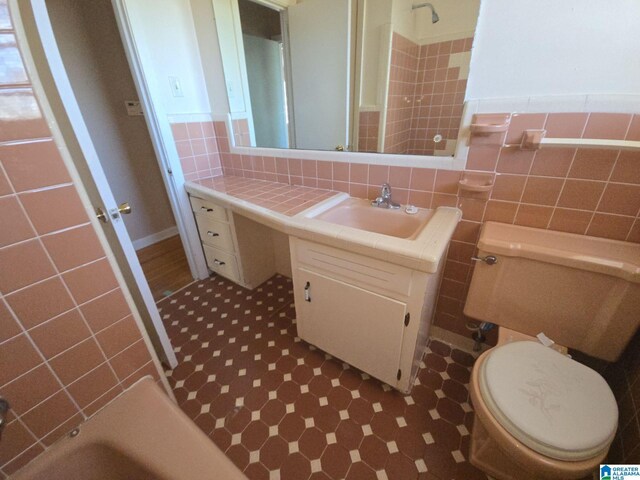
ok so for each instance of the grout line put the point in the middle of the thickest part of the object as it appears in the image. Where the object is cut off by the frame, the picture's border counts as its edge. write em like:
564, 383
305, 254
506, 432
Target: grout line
37, 442
25, 141
76, 305
58, 274
115, 387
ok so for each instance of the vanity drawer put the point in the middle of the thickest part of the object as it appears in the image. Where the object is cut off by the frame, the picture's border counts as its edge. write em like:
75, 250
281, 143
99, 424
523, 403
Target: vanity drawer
208, 209
214, 233
222, 262
361, 270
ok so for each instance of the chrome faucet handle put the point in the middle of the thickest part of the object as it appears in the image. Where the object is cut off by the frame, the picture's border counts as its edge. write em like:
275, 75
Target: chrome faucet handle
385, 191
4, 409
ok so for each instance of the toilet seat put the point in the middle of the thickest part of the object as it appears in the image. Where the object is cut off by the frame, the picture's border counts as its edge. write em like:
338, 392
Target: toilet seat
550, 403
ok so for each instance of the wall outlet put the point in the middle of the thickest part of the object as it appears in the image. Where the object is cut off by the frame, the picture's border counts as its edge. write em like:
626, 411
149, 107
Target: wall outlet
134, 108
176, 87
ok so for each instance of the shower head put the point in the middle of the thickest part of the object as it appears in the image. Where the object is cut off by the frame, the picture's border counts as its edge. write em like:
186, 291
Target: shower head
434, 15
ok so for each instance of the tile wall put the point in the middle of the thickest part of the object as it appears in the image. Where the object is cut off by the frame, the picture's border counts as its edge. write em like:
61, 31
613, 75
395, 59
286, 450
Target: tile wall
368, 131
588, 192
68, 341
400, 100
241, 134
198, 149
426, 94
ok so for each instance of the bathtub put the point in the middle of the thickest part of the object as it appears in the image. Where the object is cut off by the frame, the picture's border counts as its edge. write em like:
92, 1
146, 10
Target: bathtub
141, 435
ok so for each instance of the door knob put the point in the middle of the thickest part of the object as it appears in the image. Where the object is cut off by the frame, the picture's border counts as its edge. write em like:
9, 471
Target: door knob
124, 208
100, 215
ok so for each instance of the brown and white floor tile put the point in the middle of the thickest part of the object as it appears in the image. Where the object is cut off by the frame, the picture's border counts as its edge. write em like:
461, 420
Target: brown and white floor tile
282, 409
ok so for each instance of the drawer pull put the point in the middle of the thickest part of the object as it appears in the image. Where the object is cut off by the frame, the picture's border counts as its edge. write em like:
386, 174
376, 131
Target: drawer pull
307, 292
206, 209
218, 262
213, 234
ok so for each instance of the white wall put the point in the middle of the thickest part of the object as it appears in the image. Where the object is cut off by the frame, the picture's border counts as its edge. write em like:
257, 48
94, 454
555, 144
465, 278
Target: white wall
168, 46
377, 14
95, 61
550, 47
207, 35
458, 19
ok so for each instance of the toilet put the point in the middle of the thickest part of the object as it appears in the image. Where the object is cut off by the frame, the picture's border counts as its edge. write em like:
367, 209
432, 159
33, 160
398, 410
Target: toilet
538, 413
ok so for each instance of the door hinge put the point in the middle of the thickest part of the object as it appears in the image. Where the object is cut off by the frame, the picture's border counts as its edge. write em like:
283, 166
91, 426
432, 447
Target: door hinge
399, 376
407, 318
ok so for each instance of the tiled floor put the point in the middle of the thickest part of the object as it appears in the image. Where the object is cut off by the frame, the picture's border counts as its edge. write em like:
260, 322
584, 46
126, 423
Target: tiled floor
281, 408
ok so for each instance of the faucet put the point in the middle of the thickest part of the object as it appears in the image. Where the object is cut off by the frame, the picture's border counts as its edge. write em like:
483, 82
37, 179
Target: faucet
384, 200
4, 409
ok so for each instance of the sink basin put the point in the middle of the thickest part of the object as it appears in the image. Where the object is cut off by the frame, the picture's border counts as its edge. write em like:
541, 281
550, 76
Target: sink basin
359, 213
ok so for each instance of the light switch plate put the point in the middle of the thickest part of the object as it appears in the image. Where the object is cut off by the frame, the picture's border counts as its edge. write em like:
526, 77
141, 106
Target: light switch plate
176, 87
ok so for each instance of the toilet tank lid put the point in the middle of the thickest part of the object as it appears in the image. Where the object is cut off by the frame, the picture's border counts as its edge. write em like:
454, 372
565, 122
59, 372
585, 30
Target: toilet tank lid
601, 255
551, 403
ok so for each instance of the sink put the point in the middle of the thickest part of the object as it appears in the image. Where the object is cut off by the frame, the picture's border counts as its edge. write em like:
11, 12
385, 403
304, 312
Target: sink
360, 214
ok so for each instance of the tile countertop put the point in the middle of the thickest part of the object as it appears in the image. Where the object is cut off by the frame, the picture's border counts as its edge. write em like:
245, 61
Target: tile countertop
288, 209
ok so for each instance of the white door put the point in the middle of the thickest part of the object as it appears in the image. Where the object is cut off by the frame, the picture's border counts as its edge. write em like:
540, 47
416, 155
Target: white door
101, 194
320, 50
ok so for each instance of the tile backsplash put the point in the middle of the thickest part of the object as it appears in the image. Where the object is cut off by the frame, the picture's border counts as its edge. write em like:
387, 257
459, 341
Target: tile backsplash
588, 192
68, 340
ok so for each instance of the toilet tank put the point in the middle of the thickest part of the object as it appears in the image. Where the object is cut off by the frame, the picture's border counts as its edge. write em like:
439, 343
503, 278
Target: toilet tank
582, 292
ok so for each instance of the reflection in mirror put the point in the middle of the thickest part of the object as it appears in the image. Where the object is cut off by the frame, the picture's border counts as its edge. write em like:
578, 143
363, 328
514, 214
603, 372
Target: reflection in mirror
384, 76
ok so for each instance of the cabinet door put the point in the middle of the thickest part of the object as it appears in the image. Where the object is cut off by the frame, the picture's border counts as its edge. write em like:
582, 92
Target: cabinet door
360, 327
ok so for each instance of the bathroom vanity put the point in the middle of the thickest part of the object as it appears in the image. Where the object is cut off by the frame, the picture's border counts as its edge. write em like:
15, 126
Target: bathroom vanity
372, 314
365, 279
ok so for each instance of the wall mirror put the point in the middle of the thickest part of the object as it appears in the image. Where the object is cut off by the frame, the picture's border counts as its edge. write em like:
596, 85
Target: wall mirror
385, 76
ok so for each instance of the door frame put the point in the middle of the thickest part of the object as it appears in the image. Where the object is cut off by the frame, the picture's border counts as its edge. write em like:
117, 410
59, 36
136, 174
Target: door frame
93, 177
171, 174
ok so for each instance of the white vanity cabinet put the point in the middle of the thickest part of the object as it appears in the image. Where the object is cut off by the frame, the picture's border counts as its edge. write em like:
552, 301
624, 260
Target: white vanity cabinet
372, 314
234, 246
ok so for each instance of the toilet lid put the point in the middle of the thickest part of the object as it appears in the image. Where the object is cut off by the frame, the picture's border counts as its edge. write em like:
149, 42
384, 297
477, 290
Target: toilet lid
552, 404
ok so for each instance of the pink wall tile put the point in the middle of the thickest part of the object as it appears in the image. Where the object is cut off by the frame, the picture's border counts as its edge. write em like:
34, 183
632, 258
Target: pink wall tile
581, 194
514, 160
33, 165
620, 199
610, 226
566, 125
552, 162
627, 168
593, 164
634, 129
39, 320
533, 216
607, 125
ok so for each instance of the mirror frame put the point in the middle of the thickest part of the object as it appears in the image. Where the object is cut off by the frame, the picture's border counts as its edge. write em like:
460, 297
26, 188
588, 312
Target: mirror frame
456, 162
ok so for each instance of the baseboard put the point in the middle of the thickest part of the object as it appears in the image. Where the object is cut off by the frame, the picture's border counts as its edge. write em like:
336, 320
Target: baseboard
456, 340
155, 237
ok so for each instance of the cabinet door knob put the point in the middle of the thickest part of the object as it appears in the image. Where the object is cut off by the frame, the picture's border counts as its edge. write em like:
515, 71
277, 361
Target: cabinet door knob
213, 234
206, 209
218, 262
307, 292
